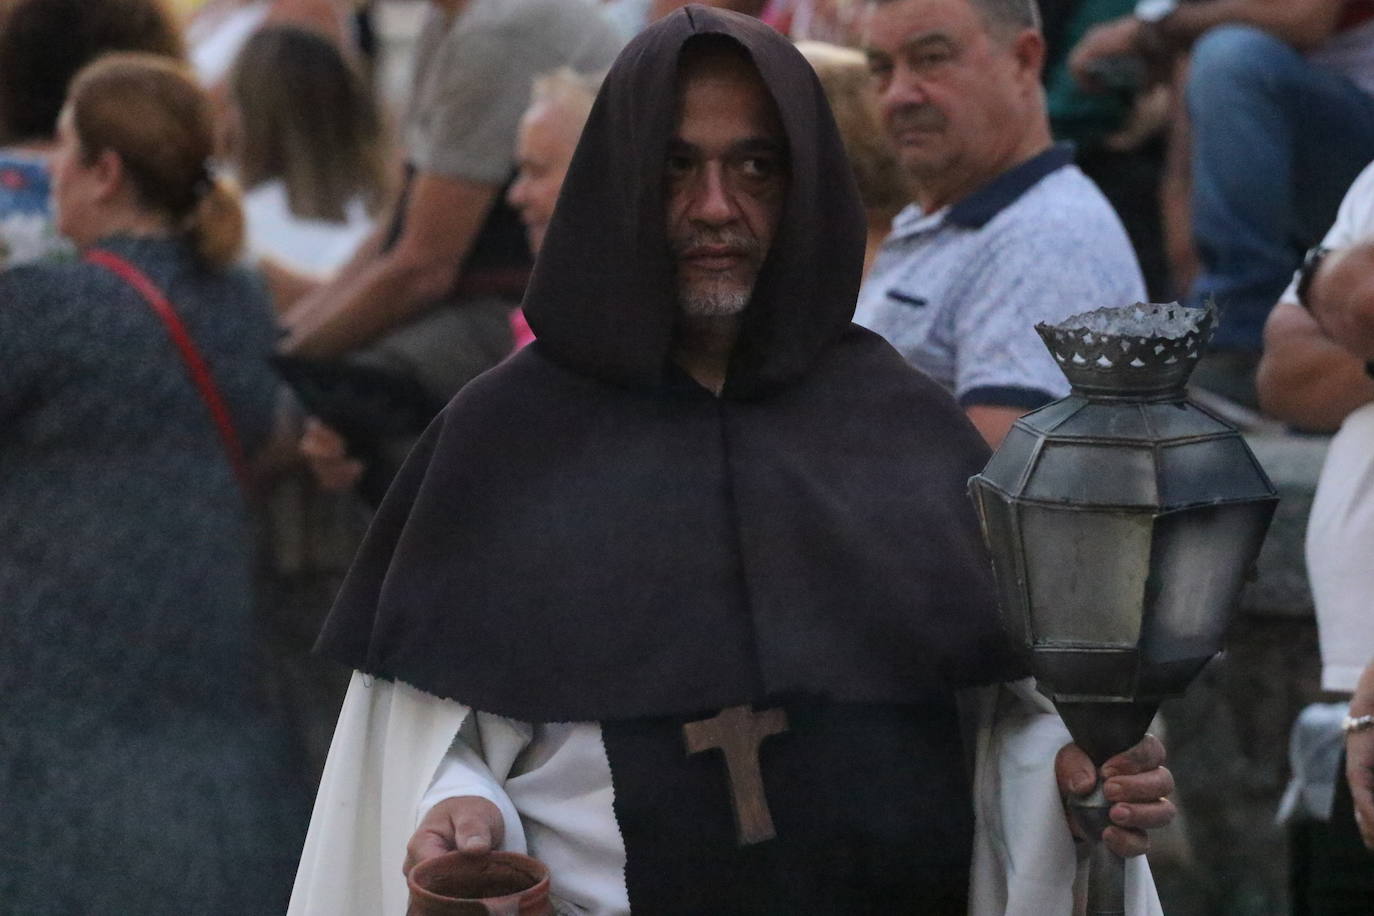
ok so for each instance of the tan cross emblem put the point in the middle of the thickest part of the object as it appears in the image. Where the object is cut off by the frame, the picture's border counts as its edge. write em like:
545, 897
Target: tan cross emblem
738, 732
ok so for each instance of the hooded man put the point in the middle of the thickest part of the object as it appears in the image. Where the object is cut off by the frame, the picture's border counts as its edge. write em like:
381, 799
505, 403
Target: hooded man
677, 598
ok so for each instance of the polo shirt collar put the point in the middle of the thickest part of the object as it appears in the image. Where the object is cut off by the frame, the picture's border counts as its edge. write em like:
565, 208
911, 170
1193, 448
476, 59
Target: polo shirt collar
978, 209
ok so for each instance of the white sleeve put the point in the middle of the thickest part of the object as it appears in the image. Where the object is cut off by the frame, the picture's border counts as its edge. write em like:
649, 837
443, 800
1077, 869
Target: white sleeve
1024, 861
1354, 222
478, 762
389, 739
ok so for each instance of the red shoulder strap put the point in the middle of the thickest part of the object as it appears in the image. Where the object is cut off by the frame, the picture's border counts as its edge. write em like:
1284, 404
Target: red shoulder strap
190, 355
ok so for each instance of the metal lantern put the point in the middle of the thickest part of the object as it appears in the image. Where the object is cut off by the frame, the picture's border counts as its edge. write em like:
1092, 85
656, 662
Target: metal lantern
1122, 521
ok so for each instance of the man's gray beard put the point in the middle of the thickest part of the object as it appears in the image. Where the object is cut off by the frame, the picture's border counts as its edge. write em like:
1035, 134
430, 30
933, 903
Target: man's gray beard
719, 303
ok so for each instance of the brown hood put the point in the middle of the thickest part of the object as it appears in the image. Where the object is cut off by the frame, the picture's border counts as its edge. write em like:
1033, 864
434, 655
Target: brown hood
602, 298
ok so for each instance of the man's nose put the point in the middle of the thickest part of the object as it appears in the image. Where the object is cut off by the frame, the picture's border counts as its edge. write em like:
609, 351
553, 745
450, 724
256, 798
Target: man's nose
904, 89
712, 202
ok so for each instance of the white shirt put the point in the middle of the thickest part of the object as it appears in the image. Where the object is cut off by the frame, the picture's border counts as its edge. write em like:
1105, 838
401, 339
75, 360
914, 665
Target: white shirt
214, 41
311, 246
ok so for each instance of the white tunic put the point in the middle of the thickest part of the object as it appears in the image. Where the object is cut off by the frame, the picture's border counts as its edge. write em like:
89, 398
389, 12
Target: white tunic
398, 750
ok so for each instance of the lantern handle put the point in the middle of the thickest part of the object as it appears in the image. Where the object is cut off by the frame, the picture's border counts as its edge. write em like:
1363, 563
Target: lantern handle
1106, 870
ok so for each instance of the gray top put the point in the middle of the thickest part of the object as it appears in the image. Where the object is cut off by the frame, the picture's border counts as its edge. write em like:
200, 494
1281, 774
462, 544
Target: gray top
126, 600
473, 73
958, 292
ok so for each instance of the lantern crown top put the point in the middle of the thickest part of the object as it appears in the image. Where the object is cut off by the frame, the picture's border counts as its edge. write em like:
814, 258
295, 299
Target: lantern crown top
1141, 351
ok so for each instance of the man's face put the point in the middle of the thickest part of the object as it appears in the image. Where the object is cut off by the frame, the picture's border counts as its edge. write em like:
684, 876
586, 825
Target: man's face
954, 98
543, 151
725, 179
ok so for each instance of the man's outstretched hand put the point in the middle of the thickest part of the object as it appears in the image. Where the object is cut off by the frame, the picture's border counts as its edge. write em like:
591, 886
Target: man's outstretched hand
467, 824
1137, 784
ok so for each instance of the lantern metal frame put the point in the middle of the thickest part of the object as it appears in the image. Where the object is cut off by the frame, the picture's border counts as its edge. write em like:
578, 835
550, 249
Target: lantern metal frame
1122, 521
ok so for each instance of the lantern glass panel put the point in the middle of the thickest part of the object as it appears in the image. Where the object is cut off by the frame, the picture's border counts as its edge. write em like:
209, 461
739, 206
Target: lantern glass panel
1049, 417
1003, 537
1209, 471
1009, 463
1104, 475
1200, 559
1178, 419
1086, 572
1120, 421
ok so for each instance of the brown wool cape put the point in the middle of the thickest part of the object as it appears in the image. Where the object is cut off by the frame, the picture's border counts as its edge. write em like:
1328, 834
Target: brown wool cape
584, 534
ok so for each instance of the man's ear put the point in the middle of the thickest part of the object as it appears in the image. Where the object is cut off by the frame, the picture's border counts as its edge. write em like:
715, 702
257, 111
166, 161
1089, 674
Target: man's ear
1028, 49
110, 175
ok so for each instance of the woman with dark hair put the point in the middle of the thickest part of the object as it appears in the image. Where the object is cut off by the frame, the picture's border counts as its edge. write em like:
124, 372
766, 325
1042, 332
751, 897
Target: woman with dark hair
138, 770
43, 43
306, 140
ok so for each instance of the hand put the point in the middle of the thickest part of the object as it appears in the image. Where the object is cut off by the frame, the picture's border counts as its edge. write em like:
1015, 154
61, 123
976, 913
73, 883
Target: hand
1136, 785
466, 824
1340, 297
327, 454
1114, 38
1359, 773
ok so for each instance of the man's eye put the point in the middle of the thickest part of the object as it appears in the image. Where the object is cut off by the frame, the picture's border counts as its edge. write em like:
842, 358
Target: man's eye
928, 59
880, 73
759, 167
678, 165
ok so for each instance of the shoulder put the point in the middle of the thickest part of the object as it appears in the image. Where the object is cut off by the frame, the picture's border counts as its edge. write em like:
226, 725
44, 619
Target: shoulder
239, 297
50, 282
523, 385
1064, 204
535, 16
1355, 219
892, 405
54, 300
1062, 225
537, 33
863, 363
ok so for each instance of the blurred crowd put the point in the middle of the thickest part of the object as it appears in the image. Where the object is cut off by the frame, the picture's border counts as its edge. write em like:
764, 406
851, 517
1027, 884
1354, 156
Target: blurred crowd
330, 270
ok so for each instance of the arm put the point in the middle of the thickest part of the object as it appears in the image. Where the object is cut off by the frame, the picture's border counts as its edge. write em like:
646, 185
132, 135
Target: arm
286, 285
466, 808
1341, 298
1305, 378
993, 422
1302, 23
442, 218
1359, 758
460, 137
388, 742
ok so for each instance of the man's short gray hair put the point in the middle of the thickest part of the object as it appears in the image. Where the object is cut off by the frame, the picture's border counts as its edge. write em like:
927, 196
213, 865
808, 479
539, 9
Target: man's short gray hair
568, 90
1009, 15
1002, 17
